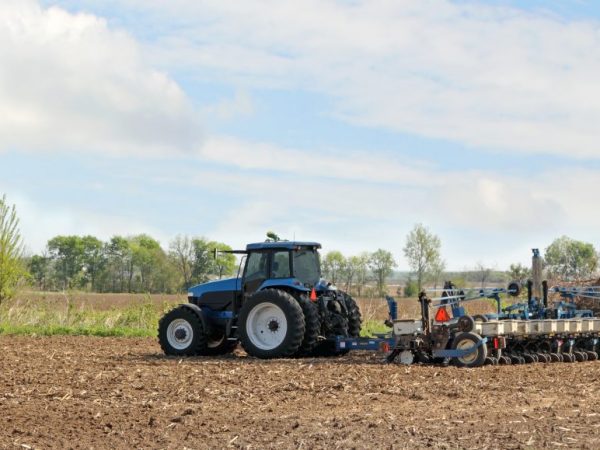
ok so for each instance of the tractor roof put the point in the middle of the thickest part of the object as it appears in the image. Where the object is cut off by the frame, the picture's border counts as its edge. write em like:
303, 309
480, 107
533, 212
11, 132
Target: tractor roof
289, 245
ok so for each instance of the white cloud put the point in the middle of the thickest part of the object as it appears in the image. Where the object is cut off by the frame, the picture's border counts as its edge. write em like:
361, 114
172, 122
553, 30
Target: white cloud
480, 215
70, 82
485, 76
331, 164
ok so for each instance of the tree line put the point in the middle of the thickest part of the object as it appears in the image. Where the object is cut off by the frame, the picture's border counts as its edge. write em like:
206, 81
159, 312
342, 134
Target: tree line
128, 264
139, 263
353, 273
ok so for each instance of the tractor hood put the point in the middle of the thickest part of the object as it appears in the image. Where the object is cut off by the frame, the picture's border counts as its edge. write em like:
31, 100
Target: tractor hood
225, 285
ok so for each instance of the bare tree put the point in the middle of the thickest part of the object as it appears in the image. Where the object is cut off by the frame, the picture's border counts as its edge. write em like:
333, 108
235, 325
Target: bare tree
181, 251
483, 273
437, 271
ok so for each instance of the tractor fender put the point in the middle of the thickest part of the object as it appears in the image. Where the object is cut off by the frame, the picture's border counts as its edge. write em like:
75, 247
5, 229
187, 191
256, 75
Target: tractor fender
285, 283
198, 311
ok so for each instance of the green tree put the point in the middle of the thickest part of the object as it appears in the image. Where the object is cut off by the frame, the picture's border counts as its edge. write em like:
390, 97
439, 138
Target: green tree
225, 263
11, 250
39, 268
93, 259
422, 250
381, 264
333, 266
361, 265
120, 269
518, 272
203, 264
147, 258
66, 252
570, 259
410, 288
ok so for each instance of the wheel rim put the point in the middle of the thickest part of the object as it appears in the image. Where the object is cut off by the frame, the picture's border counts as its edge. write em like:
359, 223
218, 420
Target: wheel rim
266, 326
180, 334
467, 344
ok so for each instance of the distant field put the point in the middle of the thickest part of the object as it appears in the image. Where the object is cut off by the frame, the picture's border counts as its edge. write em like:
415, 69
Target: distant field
77, 313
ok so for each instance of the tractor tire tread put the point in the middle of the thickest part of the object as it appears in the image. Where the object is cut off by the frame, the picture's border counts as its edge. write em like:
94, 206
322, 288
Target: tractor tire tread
354, 316
312, 325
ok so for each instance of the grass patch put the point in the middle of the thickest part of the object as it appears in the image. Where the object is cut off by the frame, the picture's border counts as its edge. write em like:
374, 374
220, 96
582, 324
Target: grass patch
373, 327
37, 317
69, 314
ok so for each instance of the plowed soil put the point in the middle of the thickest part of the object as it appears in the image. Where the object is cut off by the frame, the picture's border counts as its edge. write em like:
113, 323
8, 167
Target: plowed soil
83, 392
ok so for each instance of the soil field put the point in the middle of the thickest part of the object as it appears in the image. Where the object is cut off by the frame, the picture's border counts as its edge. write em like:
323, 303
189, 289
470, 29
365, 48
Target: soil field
88, 392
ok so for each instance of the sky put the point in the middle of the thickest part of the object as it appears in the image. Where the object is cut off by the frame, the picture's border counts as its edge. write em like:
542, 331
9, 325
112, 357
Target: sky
343, 122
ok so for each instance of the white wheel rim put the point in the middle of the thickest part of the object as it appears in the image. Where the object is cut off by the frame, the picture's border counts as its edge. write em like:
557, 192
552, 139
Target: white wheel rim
266, 326
180, 334
467, 344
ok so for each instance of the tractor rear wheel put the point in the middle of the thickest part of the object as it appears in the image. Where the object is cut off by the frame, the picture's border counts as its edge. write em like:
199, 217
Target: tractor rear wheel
271, 324
181, 333
466, 341
354, 322
354, 317
312, 325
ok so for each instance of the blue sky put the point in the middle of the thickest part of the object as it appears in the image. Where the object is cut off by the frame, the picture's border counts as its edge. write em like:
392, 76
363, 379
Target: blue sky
342, 122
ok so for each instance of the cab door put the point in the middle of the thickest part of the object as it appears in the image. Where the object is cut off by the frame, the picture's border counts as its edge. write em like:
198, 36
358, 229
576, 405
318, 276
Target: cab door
256, 272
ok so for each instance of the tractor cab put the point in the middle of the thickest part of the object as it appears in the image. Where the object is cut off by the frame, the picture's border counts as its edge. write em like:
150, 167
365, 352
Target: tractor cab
294, 264
281, 264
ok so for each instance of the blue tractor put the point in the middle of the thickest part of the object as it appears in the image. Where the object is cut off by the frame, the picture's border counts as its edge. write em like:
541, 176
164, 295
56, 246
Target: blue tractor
279, 307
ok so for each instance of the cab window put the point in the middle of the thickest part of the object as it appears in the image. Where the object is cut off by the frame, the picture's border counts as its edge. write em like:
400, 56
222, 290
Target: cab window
280, 267
256, 268
306, 266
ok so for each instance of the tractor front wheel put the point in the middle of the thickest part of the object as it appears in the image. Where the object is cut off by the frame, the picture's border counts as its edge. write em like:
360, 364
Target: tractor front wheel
181, 333
271, 324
